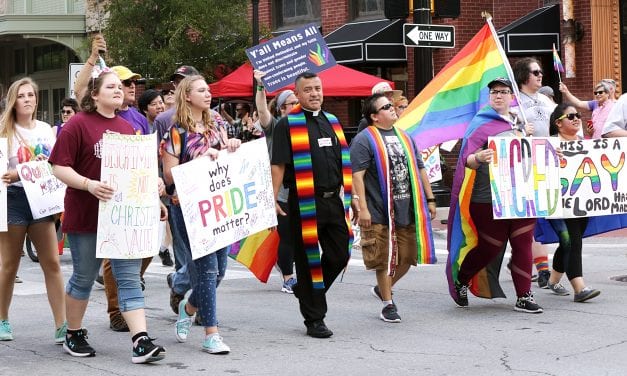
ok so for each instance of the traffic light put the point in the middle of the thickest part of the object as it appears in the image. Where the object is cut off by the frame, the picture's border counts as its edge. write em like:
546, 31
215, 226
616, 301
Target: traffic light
394, 9
446, 8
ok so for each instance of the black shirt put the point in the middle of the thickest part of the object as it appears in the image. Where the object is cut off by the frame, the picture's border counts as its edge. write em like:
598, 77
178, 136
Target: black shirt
326, 160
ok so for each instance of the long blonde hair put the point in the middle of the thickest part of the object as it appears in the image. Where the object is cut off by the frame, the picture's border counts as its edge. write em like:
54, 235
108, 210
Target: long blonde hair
9, 117
183, 115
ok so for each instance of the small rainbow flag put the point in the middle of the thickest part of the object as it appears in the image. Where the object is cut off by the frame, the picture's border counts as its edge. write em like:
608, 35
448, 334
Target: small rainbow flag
258, 253
557, 63
445, 107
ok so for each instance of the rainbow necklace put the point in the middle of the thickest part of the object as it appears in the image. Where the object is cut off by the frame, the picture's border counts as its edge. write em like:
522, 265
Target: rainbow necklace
303, 171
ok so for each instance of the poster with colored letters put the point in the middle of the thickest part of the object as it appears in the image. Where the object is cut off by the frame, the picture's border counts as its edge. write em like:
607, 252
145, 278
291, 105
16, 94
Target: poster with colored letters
4, 164
431, 159
227, 199
45, 193
128, 224
524, 178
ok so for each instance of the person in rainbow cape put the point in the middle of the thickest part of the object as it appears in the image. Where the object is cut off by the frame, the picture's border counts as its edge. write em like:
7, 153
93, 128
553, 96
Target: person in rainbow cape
309, 142
475, 240
392, 190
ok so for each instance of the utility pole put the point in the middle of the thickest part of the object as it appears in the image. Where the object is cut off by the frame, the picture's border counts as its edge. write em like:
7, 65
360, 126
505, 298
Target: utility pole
423, 58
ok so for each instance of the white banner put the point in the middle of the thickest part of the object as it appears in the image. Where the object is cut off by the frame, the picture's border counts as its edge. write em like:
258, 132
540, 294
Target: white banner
45, 193
524, 178
4, 164
128, 224
226, 200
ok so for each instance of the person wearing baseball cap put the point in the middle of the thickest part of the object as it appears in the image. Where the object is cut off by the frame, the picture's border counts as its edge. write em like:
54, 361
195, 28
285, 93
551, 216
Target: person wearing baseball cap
386, 89
182, 72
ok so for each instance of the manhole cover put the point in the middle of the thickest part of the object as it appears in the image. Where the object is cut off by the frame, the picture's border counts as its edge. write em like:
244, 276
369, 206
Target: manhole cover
619, 278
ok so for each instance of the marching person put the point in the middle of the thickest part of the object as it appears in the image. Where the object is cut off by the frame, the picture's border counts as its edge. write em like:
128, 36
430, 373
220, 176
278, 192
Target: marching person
394, 199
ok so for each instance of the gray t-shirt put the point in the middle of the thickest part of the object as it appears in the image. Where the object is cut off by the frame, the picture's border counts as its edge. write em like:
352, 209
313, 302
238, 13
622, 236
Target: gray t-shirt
268, 131
538, 109
362, 158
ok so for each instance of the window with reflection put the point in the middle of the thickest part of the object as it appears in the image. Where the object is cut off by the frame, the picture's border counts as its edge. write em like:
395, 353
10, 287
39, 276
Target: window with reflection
367, 9
289, 13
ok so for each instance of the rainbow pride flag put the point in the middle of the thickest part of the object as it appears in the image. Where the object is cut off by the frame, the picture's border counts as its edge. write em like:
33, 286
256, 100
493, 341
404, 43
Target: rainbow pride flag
445, 107
258, 253
557, 63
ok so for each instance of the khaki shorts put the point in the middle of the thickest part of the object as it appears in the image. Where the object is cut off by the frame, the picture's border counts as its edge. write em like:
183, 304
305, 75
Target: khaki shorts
374, 246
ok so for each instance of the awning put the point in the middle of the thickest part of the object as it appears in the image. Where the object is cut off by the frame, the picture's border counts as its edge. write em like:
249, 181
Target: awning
535, 32
358, 42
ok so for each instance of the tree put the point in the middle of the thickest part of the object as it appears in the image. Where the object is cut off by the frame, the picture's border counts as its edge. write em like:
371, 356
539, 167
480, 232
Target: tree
153, 37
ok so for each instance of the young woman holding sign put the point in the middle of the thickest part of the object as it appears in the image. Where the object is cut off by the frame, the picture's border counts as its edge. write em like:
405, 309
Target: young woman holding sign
28, 140
195, 134
77, 160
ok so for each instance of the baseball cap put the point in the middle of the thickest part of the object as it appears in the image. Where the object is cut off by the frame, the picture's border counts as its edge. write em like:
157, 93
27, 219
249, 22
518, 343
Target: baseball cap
124, 73
500, 81
384, 87
184, 71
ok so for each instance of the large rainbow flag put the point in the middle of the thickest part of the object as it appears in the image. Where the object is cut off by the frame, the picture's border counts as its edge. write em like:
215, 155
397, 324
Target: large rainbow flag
445, 107
258, 253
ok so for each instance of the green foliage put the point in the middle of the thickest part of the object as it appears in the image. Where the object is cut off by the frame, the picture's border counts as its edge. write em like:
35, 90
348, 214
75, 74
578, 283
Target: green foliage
153, 37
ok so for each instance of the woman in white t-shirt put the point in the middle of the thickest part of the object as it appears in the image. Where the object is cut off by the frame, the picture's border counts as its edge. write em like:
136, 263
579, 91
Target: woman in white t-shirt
28, 139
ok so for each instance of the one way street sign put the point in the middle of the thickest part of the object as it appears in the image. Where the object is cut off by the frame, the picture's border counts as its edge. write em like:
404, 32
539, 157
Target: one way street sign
435, 36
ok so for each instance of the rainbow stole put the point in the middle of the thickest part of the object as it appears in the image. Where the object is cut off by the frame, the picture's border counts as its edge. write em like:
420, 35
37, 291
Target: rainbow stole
301, 152
424, 235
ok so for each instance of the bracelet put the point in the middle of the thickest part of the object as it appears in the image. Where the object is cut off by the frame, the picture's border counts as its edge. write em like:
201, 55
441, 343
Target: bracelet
431, 200
260, 88
86, 184
355, 197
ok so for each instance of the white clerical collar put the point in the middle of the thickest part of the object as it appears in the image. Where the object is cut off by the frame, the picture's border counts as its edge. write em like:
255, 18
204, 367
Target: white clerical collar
313, 113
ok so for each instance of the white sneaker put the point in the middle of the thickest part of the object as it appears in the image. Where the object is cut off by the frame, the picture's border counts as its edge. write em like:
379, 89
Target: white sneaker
213, 344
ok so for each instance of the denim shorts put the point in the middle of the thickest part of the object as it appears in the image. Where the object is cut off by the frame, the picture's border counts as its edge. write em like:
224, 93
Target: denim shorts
18, 209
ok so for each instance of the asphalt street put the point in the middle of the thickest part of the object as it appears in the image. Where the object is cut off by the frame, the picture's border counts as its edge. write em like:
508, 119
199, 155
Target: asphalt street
264, 329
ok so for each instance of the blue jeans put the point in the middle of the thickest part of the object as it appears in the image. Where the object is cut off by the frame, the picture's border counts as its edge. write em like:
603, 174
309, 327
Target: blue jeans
204, 273
85, 270
180, 279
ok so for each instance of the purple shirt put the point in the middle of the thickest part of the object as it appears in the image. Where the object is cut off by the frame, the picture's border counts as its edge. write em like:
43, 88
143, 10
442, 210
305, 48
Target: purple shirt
137, 120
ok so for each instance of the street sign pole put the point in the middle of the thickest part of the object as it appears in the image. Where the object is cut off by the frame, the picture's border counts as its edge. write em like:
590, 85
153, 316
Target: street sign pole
423, 58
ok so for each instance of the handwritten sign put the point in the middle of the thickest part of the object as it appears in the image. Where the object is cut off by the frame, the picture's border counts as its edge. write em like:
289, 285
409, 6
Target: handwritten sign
524, 178
4, 164
431, 159
286, 56
226, 200
45, 193
128, 224
593, 177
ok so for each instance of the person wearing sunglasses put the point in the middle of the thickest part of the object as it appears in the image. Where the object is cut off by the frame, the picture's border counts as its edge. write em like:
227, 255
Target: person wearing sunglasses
600, 106
69, 108
566, 123
471, 210
400, 207
400, 105
168, 98
537, 109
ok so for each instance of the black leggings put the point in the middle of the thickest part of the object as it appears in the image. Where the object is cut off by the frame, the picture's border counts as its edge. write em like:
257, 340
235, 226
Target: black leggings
567, 256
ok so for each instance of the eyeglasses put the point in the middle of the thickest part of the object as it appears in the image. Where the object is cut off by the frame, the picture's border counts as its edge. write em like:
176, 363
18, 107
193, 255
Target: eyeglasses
167, 92
67, 112
291, 103
502, 92
537, 72
385, 107
570, 117
128, 83
600, 92
402, 107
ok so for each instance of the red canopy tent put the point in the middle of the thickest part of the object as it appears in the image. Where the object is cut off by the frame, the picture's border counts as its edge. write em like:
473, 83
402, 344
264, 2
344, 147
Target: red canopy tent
337, 81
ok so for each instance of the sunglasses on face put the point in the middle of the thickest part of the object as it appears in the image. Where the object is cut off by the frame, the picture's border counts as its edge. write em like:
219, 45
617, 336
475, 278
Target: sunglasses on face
537, 72
600, 92
67, 112
385, 107
570, 117
167, 92
128, 83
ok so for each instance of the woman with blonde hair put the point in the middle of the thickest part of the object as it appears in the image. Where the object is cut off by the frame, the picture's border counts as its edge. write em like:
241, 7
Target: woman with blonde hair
195, 134
28, 140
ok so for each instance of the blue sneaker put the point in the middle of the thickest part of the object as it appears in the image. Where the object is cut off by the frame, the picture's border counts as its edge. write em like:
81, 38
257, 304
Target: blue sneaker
59, 334
213, 344
6, 333
184, 323
287, 286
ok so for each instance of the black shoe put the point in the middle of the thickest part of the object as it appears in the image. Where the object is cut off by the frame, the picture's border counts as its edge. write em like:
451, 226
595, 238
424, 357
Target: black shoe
543, 279
169, 279
377, 293
175, 299
527, 304
117, 323
462, 294
166, 259
100, 280
146, 352
389, 314
318, 329
76, 344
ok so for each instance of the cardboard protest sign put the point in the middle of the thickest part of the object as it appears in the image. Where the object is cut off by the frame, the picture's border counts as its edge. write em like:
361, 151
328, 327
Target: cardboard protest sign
286, 56
431, 159
524, 178
592, 177
45, 193
226, 199
128, 224
4, 164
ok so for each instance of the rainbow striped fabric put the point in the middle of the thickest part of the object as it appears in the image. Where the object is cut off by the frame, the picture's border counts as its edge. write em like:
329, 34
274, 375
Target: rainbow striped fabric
462, 233
557, 63
305, 187
257, 252
424, 236
445, 107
